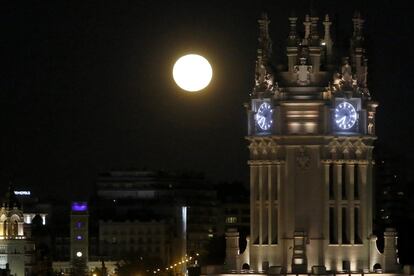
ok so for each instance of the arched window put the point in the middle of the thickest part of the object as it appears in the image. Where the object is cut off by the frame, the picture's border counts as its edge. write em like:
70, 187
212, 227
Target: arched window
5, 232
14, 228
246, 266
377, 267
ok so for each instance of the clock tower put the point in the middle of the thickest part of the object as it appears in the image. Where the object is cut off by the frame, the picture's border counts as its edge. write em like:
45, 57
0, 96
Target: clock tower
311, 133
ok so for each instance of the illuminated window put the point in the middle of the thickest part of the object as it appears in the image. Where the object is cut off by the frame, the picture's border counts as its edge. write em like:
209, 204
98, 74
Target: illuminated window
298, 261
231, 220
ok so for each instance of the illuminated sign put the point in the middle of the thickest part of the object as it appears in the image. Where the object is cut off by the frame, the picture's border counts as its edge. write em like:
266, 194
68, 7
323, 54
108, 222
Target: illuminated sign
79, 206
24, 193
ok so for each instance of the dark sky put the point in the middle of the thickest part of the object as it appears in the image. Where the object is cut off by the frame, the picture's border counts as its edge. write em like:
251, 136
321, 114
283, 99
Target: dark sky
86, 86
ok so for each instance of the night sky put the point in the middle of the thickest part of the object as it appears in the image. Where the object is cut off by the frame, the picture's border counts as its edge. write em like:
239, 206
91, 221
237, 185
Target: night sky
86, 86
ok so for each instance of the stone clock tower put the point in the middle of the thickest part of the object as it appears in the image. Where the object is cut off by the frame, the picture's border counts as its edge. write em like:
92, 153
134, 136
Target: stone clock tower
311, 128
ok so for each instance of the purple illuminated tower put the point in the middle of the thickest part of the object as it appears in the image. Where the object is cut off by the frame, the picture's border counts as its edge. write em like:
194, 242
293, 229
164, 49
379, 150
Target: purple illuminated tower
79, 225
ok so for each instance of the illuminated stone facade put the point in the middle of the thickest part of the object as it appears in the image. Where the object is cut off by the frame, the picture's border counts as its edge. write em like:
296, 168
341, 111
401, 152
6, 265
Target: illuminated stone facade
311, 128
16, 251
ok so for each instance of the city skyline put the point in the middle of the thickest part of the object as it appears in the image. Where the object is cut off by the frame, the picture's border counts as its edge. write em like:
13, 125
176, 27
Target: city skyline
283, 165
89, 87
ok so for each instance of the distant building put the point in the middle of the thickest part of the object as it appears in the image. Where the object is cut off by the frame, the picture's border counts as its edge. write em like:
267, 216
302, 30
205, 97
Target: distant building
79, 231
149, 195
390, 189
16, 249
79, 244
32, 207
234, 208
142, 239
236, 215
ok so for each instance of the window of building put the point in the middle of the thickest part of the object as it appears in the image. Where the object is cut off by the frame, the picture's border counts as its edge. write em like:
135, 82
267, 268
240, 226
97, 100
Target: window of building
344, 182
274, 227
333, 239
356, 182
357, 226
345, 233
231, 220
331, 182
346, 265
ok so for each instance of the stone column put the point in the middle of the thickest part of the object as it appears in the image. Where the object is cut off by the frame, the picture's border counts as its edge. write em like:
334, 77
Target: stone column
232, 249
351, 204
253, 198
338, 198
366, 207
390, 251
272, 180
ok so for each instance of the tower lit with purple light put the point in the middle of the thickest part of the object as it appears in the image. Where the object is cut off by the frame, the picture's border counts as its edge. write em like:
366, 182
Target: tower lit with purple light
79, 206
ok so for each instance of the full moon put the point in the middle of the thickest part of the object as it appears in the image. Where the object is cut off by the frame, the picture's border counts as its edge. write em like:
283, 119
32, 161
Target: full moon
192, 72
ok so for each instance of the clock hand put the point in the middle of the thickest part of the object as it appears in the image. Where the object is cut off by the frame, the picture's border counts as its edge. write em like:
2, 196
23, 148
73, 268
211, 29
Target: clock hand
342, 120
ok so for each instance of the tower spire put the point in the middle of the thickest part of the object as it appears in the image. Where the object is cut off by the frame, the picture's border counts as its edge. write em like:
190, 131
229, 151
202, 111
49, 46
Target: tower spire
314, 34
307, 24
327, 40
358, 52
293, 39
292, 43
265, 43
264, 79
357, 37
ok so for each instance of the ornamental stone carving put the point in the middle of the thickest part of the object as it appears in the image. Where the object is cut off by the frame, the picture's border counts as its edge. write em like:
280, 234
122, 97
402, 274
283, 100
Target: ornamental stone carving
303, 159
349, 148
303, 72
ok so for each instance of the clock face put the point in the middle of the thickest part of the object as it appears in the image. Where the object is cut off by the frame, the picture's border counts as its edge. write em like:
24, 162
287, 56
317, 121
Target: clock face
345, 115
264, 116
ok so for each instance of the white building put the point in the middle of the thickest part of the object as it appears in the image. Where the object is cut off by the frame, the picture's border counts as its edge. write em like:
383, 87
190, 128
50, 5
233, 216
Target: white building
16, 251
311, 128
